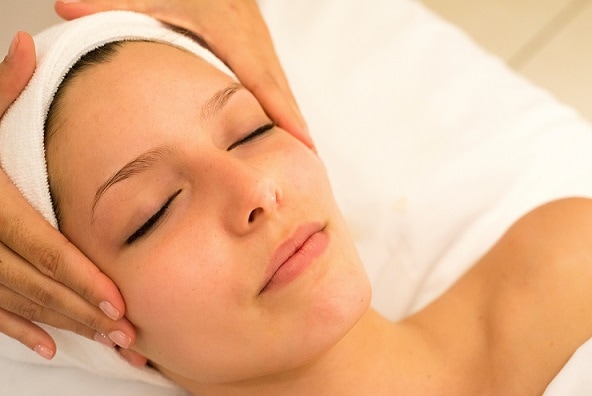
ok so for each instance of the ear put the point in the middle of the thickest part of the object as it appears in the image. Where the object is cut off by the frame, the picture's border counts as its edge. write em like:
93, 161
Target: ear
134, 358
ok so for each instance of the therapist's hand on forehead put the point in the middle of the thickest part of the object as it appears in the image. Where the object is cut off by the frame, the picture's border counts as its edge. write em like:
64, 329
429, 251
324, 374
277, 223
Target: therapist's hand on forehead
43, 277
235, 32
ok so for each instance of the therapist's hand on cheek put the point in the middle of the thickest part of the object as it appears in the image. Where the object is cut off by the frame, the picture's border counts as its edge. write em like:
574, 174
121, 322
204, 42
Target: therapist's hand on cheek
235, 31
43, 277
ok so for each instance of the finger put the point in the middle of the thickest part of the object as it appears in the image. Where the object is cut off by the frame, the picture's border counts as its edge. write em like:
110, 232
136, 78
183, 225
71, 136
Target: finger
16, 69
245, 45
242, 42
38, 241
177, 13
34, 296
29, 334
26, 233
28, 311
134, 358
275, 98
25, 311
15, 312
280, 107
79, 9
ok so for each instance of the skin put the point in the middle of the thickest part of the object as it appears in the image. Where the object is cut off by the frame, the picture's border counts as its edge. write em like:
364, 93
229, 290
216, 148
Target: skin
43, 276
33, 254
235, 31
193, 284
233, 210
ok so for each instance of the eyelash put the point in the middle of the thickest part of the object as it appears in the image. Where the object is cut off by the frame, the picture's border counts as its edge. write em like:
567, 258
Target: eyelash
152, 221
253, 135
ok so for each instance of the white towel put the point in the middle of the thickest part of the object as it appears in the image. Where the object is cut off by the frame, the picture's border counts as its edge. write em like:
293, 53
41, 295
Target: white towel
22, 154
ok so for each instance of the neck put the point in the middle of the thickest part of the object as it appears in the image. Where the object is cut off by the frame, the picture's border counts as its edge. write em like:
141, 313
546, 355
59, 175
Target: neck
360, 363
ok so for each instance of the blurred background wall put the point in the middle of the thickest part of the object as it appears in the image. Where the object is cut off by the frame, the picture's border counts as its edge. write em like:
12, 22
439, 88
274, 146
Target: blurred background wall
547, 41
28, 15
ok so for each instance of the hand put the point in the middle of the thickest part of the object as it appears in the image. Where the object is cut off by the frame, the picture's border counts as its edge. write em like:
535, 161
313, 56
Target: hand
43, 277
235, 32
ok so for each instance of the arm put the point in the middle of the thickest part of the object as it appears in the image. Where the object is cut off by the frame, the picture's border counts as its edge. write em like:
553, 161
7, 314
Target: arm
43, 277
235, 32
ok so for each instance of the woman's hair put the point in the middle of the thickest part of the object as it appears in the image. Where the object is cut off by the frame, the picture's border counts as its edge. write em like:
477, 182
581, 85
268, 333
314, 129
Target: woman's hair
97, 56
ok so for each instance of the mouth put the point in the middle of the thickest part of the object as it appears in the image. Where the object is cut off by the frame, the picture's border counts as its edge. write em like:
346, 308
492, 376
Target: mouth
293, 256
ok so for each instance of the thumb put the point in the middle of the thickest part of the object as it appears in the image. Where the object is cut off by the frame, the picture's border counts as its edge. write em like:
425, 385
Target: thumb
281, 106
16, 69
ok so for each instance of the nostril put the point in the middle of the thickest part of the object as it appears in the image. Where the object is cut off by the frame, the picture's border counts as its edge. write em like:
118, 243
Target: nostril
254, 213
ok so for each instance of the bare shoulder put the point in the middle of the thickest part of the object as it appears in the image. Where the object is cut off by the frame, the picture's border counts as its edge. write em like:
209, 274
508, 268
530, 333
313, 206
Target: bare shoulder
549, 251
515, 319
558, 233
541, 294
559, 216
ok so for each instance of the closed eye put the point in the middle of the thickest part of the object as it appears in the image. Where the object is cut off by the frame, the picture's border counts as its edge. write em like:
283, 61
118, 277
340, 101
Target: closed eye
253, 135
152, 221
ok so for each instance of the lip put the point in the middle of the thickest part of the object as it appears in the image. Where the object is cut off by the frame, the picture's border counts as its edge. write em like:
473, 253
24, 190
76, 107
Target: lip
294, 255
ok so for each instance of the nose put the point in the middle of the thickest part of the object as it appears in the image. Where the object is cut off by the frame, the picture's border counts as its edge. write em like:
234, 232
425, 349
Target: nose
251, 196
265, 199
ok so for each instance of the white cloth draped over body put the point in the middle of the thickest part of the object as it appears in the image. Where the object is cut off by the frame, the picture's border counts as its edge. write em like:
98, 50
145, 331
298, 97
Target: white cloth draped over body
434, 148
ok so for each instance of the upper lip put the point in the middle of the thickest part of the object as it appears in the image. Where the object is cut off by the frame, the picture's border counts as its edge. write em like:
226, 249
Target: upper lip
288, 247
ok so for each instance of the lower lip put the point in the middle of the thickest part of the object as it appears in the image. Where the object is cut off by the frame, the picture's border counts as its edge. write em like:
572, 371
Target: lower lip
312, 249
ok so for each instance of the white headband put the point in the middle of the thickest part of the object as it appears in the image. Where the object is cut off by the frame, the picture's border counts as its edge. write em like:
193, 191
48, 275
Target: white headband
22, 155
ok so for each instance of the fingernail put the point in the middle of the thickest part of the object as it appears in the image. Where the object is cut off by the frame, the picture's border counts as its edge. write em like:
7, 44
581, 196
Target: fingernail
120, 338
70, 1
103, 339
109, 310
13, 46
44, 351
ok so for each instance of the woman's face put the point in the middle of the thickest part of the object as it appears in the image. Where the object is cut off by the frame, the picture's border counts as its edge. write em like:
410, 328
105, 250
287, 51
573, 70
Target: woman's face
163, 185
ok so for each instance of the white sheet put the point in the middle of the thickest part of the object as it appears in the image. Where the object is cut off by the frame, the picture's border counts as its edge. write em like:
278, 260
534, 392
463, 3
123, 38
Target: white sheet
434, 148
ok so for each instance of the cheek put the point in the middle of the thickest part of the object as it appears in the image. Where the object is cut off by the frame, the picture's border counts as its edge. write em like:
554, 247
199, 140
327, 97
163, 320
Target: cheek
173, 283
191, 285
193, 316
303, 174
174, 300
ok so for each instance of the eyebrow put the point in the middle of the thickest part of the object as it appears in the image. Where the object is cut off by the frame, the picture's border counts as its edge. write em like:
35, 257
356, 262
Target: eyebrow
146, 160
213, 105
142, 163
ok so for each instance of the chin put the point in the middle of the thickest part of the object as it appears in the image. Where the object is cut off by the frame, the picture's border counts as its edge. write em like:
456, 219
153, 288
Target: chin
340, 309
313, 335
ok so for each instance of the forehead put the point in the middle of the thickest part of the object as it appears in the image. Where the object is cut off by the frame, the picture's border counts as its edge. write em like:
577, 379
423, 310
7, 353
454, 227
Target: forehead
145, 64
143, 83
114, 110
